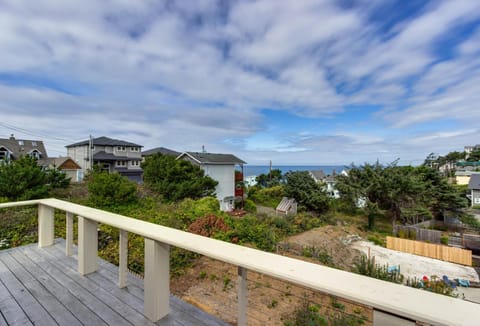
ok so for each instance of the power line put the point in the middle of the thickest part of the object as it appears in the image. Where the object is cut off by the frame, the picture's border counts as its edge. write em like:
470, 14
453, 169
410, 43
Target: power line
30, 133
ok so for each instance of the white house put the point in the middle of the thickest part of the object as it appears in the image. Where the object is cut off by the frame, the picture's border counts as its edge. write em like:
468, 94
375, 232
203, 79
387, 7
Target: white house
113, 155
220, 167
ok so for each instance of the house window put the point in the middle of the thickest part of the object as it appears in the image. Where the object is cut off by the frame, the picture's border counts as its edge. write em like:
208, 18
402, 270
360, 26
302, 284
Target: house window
20, 142
121, 148
134, 149
476, 200
121, 163
3, 154
136, 163
34, 144
35, 155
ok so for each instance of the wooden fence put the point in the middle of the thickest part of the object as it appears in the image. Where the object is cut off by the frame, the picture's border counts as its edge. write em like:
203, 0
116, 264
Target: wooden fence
414, 232
454, 255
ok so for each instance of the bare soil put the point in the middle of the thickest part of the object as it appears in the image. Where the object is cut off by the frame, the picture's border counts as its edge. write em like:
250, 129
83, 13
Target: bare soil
211, 285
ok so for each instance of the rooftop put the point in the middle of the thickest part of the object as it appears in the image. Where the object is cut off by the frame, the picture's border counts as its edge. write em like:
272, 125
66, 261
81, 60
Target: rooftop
105, 141
214, 158
161, 150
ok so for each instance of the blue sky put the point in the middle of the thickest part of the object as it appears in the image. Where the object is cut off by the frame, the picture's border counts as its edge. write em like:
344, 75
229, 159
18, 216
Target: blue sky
295, 82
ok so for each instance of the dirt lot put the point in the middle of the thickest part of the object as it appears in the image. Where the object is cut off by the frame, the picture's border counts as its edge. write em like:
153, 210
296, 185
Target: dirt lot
211, 285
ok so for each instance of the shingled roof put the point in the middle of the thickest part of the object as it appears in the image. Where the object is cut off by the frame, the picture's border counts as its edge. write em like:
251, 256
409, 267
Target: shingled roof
105, 141
161, 150
474, 182
23, 147
214, 158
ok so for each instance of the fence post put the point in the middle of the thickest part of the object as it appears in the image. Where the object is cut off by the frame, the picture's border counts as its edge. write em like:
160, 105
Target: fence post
242, 296
46, 219
87, 246
123, 259
157, 280
69, 235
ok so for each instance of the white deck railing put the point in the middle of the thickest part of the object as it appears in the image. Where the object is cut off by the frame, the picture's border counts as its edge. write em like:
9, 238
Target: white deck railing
389, 301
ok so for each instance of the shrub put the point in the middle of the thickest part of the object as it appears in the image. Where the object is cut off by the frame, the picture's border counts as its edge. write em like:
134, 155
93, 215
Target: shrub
250, 206
110, 189
269, 197
367, 266
444, 240
208, 226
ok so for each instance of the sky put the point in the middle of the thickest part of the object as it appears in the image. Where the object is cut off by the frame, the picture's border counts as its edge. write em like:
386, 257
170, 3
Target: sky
297, 82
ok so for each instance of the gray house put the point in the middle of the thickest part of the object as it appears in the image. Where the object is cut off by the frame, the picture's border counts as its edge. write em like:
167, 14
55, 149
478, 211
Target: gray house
12, 149
474, 186
113, 155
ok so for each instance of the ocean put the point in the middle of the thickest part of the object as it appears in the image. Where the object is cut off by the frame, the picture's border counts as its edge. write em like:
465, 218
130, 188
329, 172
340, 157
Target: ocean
249, 170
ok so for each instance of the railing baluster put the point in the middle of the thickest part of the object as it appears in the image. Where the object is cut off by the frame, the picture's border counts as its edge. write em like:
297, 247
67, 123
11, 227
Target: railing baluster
87, 246
69, 234
46, 218
122, 259
242, 296
157, 280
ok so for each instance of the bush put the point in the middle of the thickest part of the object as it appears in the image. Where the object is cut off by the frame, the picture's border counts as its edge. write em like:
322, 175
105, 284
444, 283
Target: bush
269, 197
367, 266
110, 189
444, 240
208, 226
250, 206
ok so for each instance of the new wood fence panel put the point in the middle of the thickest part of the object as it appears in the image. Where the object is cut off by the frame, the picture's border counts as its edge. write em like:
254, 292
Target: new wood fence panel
445, 253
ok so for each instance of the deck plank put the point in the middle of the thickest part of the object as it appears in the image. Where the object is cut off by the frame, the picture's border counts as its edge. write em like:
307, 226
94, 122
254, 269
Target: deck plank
10, 310
68, 299
35, 312
41, 286
50, 303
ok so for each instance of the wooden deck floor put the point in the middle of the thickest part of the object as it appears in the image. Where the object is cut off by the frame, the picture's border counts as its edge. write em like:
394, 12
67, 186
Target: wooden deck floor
41, 286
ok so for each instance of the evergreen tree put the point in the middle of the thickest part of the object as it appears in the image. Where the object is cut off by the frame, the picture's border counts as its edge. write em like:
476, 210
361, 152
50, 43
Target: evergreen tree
301, 186
176, 179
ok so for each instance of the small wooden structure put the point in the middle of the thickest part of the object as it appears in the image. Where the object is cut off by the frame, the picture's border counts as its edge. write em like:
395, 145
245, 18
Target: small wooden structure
286, 207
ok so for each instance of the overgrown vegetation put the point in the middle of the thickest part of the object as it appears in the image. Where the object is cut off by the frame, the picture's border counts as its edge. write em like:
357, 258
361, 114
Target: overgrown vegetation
110, 189
367, 266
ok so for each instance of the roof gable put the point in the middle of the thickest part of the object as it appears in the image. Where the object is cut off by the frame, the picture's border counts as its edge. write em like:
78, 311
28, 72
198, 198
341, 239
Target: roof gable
474, 182
212, 158
23, 147
105, 141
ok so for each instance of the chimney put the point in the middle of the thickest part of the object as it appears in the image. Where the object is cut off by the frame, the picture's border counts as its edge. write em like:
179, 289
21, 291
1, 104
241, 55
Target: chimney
12, 137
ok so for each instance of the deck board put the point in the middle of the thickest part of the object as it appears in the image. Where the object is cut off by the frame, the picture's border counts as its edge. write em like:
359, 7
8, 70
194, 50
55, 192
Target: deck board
41, 286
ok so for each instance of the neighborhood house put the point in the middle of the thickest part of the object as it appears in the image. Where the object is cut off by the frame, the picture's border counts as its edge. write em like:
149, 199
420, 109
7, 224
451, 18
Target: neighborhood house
112, 155
12, 149
220, 167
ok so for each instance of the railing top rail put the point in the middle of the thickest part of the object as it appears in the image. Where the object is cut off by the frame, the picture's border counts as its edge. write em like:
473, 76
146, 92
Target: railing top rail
396, 299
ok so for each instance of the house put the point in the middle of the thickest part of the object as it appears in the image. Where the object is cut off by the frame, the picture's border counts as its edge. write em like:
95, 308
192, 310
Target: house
161, 150
12, 149
64, 164
112, 155
317, 175
474, 187
220, 167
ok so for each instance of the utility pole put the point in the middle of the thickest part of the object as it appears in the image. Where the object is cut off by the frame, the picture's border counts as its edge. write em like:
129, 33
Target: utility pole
90, 152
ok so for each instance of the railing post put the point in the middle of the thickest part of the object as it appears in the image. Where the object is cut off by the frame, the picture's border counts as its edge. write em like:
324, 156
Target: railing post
46, 219
157, 280
122, 259
242, 296
87, 246
69, 235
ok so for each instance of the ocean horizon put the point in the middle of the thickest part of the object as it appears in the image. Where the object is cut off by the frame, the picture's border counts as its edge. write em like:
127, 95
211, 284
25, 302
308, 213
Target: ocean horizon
249, 170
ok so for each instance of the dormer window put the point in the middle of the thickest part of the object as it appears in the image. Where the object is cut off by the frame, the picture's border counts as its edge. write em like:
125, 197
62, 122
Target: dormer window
21, 142
34, 144
121, 148
35, 154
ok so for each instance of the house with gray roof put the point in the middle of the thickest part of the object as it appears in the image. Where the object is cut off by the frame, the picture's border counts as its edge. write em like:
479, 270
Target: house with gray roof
112, 155
12, 149
474, 187
220, 167
161, 150
64, 164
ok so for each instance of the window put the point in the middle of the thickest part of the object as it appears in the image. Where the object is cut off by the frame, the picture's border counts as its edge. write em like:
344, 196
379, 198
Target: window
35, 154
20, 142
134, 149
476, 200
3, 154
121, 163
121, 148
34, 144
136, 163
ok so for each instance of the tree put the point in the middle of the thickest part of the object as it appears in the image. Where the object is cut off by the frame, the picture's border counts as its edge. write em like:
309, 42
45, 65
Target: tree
271, 179
176, 179
301, 186
474, 156
23, 179
110, 189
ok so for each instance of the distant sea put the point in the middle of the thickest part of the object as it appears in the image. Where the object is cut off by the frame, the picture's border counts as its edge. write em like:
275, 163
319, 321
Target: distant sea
249, 170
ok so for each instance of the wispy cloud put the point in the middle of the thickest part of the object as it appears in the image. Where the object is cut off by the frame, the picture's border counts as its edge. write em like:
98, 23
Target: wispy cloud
186, 74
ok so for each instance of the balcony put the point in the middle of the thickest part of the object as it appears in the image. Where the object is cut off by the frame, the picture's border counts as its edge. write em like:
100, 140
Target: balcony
47, 284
